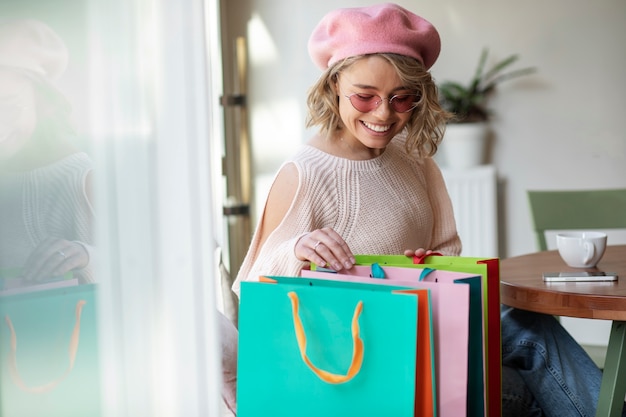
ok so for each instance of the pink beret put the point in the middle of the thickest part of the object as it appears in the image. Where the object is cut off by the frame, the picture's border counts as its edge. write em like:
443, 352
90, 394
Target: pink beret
31, 45
375, 29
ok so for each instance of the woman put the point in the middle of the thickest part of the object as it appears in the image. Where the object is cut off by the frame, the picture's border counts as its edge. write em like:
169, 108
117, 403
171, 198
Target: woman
366, 183
45, 208
334, 187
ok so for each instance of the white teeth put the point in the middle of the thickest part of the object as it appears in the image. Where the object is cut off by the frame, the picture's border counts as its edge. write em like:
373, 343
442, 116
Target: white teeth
377, 128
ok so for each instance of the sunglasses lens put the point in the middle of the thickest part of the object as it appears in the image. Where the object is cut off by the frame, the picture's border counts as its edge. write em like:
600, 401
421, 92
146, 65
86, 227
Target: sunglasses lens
364, 103
403, 103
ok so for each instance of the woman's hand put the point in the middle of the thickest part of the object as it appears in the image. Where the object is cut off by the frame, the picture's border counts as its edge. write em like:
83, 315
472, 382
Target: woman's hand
420, 253
54, 257
325, 247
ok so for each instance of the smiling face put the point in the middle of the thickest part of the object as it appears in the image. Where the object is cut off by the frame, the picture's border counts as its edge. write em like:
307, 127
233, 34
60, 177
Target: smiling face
370, 132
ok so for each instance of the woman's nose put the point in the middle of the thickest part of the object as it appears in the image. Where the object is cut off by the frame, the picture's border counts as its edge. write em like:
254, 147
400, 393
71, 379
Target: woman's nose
383, 109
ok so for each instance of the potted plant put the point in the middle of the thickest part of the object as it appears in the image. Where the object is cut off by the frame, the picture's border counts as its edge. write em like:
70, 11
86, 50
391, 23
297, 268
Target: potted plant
468, 104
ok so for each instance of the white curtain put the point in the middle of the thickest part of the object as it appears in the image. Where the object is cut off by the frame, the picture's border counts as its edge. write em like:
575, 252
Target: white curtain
151, 119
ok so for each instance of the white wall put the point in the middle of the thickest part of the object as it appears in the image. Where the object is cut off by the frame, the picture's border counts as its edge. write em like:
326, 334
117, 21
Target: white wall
561, 128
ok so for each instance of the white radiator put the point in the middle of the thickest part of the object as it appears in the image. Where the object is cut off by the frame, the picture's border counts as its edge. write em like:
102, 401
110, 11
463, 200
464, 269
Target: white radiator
474, 197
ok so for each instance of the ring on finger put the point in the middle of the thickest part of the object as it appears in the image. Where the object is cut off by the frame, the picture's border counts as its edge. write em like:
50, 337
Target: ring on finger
316, 245
60, 252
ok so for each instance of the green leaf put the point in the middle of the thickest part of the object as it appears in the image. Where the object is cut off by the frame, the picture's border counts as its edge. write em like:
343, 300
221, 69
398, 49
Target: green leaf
469, 101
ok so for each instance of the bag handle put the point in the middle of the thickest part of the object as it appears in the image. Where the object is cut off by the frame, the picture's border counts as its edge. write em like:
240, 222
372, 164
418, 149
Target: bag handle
418, 260
425, 273
377, 271
73, 348
357, 352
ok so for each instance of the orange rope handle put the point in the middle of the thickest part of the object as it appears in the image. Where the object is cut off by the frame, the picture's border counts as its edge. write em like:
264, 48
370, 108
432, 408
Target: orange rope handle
73, 348
357, 352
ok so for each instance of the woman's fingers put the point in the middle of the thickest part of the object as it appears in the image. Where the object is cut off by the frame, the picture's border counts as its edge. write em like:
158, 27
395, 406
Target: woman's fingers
54, 257
325, 247
417, 252
307, 247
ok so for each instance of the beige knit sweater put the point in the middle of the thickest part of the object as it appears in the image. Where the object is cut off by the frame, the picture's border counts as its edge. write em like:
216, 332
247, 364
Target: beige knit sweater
379, 206
50, 201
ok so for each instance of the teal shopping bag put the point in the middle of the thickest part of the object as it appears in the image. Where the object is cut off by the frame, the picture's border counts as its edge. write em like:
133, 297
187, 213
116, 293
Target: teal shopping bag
49, 353
275, 376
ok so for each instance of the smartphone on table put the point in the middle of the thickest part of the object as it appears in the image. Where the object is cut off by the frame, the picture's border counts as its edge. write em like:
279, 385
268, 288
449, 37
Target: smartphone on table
579, 276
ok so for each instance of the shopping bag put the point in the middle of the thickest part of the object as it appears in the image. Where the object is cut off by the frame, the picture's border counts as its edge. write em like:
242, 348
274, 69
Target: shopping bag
49, 353
457, 322
489, 269
12, 282
302, 358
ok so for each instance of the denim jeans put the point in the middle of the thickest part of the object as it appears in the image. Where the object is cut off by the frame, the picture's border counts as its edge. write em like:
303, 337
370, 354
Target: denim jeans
517, 400
559, 374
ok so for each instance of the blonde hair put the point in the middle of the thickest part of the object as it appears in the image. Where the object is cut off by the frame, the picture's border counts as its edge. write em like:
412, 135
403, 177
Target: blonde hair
427, 122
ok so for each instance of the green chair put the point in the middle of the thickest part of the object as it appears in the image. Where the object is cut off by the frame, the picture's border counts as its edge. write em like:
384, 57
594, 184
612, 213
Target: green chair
577, 209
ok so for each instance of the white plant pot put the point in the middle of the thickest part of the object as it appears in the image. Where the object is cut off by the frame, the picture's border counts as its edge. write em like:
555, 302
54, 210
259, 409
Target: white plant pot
464, 145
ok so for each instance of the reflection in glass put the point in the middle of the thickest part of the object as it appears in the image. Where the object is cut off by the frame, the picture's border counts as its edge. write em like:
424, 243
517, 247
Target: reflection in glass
46, 212
48, 335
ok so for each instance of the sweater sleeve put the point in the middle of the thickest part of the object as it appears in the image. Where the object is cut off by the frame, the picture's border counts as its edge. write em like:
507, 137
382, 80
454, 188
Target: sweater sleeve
277, 255
282, 262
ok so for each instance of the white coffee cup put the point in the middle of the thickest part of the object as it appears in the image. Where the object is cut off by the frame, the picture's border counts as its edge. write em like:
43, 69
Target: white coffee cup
581, 249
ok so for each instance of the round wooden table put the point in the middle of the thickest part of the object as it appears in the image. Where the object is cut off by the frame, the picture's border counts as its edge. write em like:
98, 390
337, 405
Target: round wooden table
522, 286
